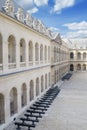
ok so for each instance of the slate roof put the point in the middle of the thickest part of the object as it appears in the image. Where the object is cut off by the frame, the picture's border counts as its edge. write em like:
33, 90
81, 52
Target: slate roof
53, 35
77, 43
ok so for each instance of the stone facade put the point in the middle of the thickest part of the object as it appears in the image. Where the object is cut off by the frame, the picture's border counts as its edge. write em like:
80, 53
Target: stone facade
78, 55
59, 58
32, 59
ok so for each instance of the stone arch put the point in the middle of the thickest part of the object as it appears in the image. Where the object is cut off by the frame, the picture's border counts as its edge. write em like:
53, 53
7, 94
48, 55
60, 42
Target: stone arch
54, 54
71, 67
45, 81
45, 53
2, 107
78, 55
13, 101
84, 56
84, 67
57, 54
49, 78
49, 53
22, 50
31, 93
1, 48
41, 52
71, 55
11, 49
57, 75
36, 52
30, 51
23, 95
37, 86
42, 83
78, 67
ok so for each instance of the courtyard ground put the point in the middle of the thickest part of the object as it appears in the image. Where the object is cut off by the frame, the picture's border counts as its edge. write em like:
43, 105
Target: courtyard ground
69, 109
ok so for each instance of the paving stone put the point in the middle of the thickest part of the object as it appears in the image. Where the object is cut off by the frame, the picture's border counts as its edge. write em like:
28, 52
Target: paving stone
69, 109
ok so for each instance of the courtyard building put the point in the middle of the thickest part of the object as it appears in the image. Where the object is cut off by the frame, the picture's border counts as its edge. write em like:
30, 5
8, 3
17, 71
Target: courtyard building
32, 60
78, 54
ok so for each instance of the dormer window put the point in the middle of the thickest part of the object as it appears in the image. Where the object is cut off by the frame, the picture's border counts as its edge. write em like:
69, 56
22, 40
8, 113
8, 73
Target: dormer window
29, 20
20, 15
35, 24
9, 7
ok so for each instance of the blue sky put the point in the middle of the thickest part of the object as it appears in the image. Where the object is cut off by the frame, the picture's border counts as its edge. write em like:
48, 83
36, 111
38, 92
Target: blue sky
68, 17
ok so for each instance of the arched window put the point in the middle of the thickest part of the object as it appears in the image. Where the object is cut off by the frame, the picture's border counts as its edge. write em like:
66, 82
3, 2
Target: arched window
45, 81
11, 49
13, 101
0, 49
42, 83
24, 95
30, 51
31, 90
49, 78
84, 56
78, 67
57, 55
37, 86
71, 67
2, 112
22, 50
36, 52
48, 53
45, 53
84, 67
41, 52
78, 55
54, 54
71, 55
55, 75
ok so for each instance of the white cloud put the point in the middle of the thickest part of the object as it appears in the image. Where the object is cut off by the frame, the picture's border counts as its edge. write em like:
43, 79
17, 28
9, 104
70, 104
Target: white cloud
77, 26
28, 5
76, 34
25, 3
31, 5
54, 29
40, 2
33, 10
76, 30
60, 4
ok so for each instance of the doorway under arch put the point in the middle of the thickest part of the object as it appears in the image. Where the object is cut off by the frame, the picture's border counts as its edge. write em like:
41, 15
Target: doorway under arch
2, 112
71, 67
13, 101
31, 90
78, 67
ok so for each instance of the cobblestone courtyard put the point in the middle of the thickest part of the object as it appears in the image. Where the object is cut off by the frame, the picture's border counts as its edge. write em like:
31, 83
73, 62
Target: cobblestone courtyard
69, 109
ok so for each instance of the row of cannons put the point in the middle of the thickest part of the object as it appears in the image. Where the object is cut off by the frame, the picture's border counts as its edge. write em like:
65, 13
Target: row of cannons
67, 76
36, 110
25, 18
